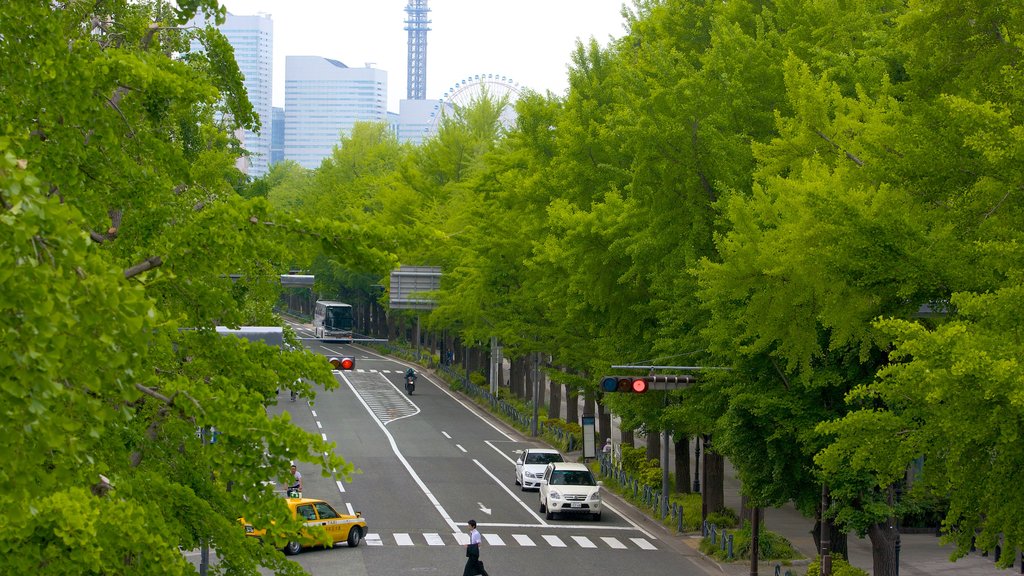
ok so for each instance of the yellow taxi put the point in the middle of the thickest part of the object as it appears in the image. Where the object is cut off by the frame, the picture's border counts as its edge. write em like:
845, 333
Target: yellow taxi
349, 528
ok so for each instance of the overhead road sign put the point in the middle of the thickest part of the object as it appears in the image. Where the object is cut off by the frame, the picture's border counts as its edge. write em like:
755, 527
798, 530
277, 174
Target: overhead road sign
410, 286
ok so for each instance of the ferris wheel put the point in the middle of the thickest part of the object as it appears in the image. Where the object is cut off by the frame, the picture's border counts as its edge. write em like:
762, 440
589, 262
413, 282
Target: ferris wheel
472, 89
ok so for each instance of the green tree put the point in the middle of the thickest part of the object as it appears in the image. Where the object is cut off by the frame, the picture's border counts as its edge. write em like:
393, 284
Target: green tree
121, 226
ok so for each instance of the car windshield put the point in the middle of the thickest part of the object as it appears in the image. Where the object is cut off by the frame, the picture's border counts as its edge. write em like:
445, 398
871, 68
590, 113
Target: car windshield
542, 458
572, 478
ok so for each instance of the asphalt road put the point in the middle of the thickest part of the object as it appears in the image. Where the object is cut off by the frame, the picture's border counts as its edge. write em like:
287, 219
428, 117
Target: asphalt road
429, 462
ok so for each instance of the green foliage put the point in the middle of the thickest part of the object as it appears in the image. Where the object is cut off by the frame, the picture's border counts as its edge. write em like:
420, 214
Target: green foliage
634, 462
689, 503
724, 518
120, 225
771, 546
840, 567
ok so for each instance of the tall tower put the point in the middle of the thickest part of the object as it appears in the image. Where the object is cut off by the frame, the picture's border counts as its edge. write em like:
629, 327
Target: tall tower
417, 25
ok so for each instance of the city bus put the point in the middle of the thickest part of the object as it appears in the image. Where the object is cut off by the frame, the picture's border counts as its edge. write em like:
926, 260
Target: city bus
332, 320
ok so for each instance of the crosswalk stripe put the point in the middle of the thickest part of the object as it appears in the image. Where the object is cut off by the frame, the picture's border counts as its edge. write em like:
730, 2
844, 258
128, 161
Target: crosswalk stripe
553, 540
523, 540
644, 544
613, 542
584, 542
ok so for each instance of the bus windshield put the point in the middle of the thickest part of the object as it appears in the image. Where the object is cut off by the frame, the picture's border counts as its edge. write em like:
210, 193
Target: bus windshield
332, 320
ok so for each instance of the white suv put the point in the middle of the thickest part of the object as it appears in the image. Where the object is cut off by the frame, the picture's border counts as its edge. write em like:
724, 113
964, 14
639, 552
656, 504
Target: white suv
530, 466
569, 488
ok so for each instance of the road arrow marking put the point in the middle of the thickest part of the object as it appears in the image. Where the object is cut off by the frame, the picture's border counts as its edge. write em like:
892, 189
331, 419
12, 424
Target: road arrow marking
484, 510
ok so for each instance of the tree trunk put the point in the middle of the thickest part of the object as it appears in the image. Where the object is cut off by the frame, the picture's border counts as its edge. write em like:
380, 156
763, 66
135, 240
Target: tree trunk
554, 400
683, 464
654, 445
714, 479
572, 405
627, 438
838, 538
589, 407
883, 548
519, 377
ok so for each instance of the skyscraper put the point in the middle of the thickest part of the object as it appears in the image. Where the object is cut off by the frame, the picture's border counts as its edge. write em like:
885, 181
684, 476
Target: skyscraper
323, 99
277, 136
252, 37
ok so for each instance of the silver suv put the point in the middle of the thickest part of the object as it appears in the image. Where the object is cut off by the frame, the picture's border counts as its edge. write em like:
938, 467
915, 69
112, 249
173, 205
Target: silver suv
569, 488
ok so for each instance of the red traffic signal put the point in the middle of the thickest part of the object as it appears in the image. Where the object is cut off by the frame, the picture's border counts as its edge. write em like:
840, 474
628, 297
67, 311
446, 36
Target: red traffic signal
641, 384
635, 384
343, 363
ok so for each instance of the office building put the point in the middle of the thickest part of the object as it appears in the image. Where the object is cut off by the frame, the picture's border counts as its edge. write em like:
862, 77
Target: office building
277, 135
416, 120
252, 37
323, 99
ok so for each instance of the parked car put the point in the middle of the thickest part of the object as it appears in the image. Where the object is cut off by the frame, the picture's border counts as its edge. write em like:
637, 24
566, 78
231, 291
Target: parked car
349, 528
569, 488
530, 466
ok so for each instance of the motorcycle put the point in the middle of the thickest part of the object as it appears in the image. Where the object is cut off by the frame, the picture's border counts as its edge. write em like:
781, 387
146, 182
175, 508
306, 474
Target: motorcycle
410, 384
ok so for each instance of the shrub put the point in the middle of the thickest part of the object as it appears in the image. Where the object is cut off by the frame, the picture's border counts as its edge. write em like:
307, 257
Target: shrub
634, 462
840, 567
724, 518
771, 546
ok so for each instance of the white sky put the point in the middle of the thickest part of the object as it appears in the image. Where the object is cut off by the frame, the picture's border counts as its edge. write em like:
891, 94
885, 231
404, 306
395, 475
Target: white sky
529, 41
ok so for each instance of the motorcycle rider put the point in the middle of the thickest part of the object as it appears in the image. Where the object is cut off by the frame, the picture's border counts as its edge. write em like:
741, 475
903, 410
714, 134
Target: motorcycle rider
410, 380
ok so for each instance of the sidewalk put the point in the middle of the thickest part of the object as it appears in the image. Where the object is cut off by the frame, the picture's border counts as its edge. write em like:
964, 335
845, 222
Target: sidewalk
920, 554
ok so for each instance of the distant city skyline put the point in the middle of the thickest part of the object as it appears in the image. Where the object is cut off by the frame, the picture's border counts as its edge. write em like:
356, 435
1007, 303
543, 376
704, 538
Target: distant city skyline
529, 41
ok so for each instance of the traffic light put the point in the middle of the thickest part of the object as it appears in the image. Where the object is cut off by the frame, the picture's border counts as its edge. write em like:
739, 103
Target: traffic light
343, 363
635, 384
641, 384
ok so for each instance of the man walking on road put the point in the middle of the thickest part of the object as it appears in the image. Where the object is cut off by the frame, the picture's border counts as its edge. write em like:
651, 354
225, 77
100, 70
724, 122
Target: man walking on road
473, 564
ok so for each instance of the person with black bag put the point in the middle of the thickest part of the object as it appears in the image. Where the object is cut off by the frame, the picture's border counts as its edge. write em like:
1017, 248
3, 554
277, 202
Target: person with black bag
473, 564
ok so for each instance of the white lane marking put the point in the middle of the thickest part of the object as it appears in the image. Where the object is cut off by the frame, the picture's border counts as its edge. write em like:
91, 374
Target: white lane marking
341, 487
313, 412
351, 511
506, 489
459, 446
319, 425
324, 436
403, 539
434, 539
584, 542
461, 538
613, 542
445, 434
493, 539
373, 539
644, 544
398, 454
523, 540
553, 540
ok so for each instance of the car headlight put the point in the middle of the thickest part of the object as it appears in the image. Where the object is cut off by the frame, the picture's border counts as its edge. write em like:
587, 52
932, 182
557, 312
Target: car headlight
595, 496
554, 495
534, 474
